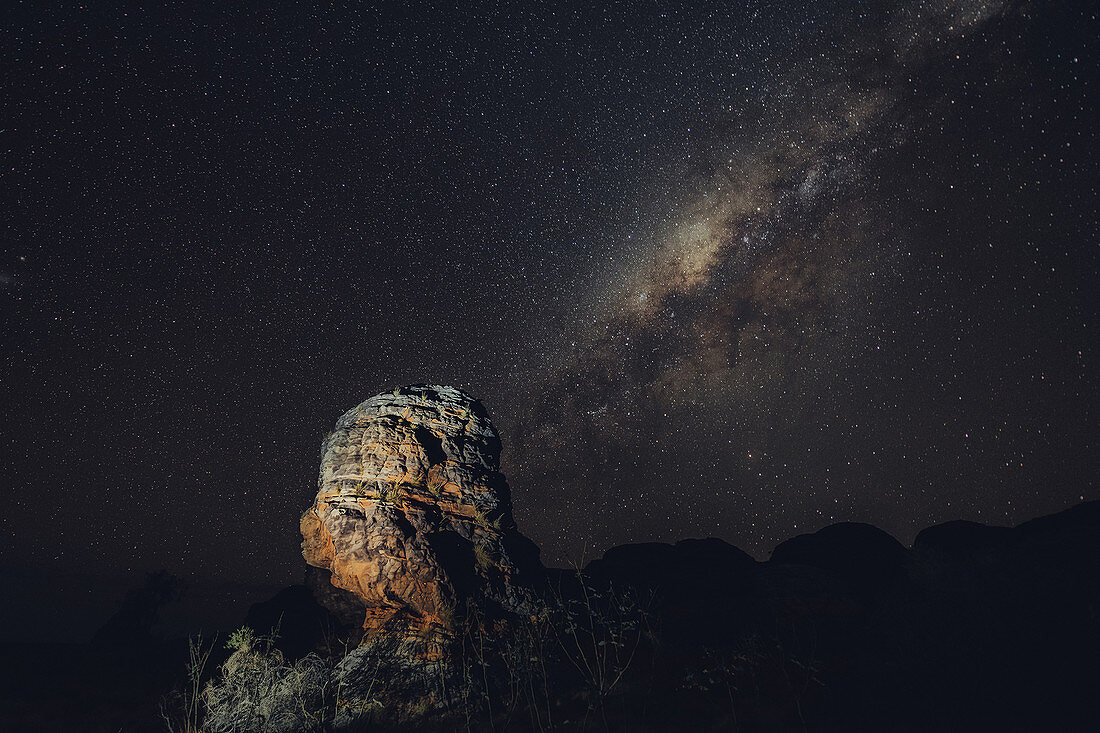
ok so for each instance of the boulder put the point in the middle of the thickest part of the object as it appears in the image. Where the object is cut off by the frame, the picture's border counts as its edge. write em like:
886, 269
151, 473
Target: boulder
412, 516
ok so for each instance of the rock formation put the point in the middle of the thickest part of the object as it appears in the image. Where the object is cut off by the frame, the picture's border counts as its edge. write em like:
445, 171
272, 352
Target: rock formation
413, 519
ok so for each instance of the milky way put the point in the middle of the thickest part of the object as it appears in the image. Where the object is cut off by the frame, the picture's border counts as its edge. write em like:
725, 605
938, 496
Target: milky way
735, 378
734, 270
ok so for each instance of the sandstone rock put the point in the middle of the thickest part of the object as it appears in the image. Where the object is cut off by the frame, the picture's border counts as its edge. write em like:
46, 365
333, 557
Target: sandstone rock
412, 515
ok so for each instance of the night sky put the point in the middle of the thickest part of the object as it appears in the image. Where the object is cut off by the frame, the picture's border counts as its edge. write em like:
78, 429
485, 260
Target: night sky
735, 270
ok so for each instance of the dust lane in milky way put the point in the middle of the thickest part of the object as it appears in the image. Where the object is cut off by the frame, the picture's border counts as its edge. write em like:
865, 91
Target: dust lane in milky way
739, 270
736, 379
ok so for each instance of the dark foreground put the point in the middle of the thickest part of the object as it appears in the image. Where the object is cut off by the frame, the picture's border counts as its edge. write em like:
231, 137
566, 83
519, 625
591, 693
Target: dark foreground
973, 628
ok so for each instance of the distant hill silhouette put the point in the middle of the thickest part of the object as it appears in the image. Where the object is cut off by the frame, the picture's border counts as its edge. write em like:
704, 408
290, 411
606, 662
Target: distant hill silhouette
972, 628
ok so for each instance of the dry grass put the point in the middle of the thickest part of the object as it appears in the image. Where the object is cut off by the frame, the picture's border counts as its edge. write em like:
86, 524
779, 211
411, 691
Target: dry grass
483, 557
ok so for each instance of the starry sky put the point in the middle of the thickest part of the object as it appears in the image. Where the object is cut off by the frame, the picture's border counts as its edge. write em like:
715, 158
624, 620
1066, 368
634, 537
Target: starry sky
735, 270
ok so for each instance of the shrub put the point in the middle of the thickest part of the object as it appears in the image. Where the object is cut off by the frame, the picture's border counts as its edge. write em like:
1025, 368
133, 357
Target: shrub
243, 637
259, 692
599, 633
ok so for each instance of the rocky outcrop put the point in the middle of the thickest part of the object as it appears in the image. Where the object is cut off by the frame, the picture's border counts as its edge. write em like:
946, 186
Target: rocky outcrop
412, 516
841, 629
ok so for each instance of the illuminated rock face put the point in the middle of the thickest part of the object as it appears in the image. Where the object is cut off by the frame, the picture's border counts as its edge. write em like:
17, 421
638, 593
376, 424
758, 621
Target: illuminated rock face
412, 515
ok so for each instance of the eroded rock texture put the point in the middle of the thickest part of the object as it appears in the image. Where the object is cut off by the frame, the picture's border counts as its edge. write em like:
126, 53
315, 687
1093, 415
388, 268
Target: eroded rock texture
412, 516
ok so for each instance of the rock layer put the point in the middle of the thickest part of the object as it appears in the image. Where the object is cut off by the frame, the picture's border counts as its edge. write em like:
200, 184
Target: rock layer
412, 515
